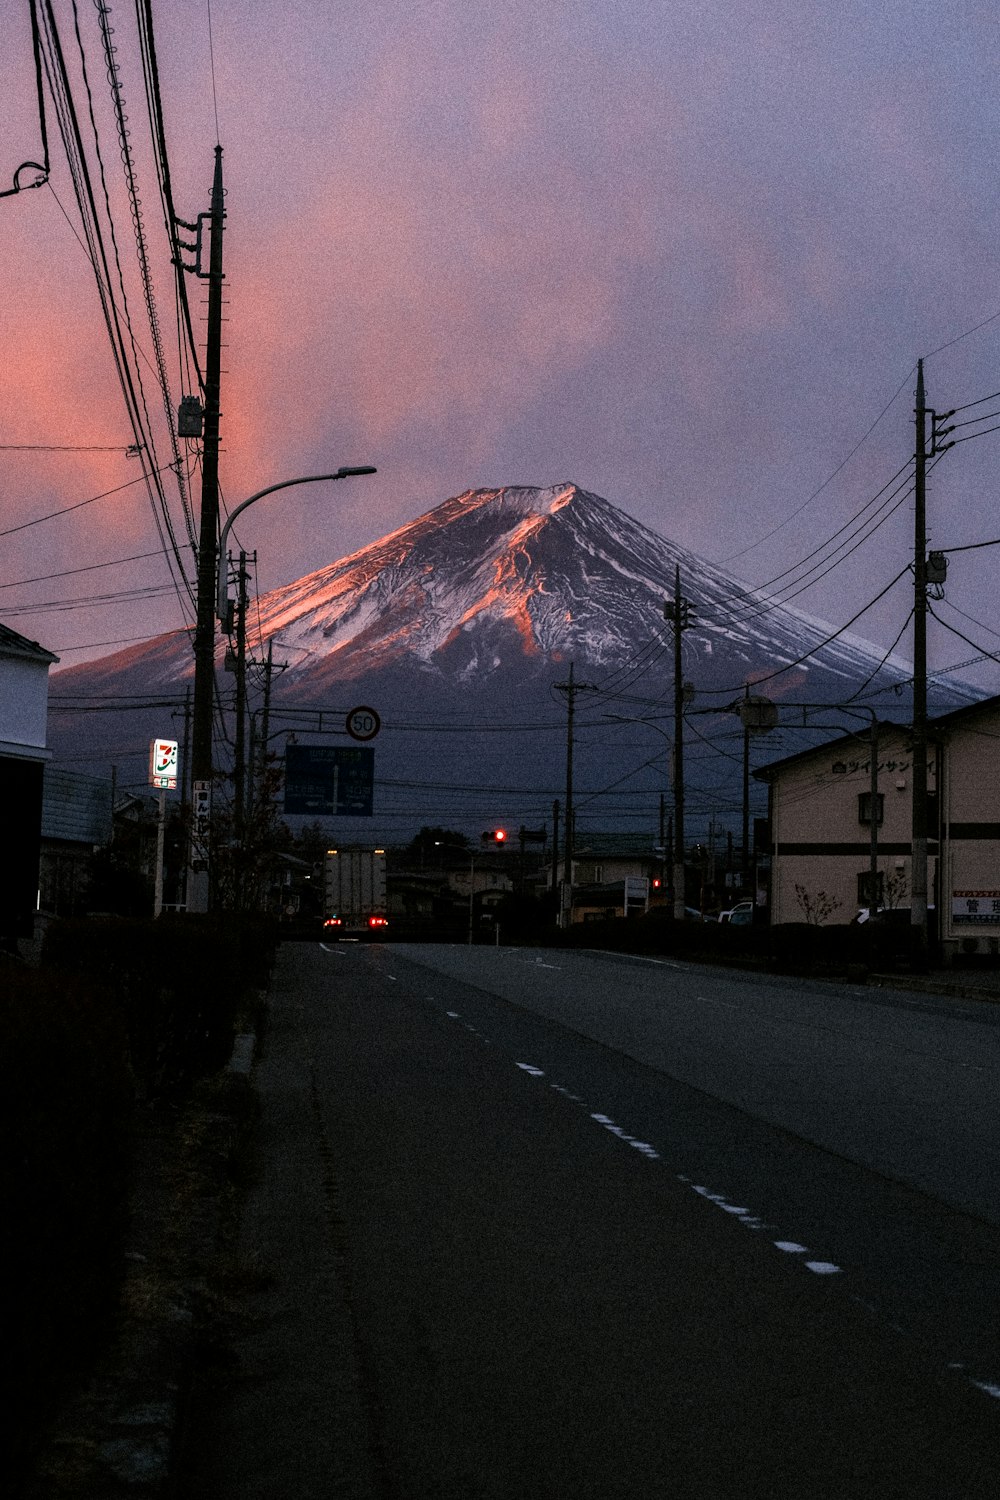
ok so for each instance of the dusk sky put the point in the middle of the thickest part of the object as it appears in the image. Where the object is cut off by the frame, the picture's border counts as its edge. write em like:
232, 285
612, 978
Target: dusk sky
682, 254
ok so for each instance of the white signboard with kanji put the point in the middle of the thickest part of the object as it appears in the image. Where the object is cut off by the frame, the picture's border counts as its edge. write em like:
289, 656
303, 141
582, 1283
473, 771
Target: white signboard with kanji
975, 908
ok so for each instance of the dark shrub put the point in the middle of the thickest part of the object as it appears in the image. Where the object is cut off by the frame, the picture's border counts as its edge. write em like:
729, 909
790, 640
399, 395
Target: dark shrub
66, 1093
180, 983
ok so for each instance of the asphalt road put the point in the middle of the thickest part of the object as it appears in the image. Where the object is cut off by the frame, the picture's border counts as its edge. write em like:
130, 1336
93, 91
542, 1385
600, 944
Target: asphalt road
566, 1225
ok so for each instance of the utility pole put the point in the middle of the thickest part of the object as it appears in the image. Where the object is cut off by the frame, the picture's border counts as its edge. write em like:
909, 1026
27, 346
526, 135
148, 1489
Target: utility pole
204, 641
186, 753
555, 850
663, 833
745, 854
677, 613
571, 689
918, 833
239, 750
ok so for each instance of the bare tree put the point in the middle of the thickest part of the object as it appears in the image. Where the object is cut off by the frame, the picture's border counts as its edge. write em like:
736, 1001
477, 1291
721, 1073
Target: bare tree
816, 908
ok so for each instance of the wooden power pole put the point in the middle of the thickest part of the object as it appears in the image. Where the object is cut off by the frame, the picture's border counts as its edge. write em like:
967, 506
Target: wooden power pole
204, 641
918, 833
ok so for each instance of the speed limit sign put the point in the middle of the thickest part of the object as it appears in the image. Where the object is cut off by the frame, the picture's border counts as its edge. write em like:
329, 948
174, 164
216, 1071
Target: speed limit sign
363, 723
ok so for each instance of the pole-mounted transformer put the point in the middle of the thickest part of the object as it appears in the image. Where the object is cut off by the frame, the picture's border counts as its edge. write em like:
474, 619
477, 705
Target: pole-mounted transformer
190, 417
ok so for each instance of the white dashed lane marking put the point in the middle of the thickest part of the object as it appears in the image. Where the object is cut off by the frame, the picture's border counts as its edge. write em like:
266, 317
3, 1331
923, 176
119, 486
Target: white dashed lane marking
744, 1216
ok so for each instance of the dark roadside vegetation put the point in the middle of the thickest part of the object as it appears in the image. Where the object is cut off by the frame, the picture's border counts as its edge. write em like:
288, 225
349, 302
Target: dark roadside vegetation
842, 951
101, 1045
837, 951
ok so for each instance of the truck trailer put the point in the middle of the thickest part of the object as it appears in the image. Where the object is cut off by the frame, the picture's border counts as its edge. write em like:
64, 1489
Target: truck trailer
354, 904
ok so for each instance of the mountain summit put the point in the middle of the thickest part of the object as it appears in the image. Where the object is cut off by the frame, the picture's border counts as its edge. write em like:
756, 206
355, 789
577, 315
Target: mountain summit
458, 627
532, 576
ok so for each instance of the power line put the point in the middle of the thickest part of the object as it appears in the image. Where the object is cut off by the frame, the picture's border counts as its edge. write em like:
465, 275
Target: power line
967, 334
64, 448
94, 248
984, 654
822, 547
92, 601
128, 640
89, 568
211, 57
819, 490
65, 510
828, 640
871, 677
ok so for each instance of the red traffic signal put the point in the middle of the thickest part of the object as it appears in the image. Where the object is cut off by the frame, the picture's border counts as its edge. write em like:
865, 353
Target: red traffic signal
495, 836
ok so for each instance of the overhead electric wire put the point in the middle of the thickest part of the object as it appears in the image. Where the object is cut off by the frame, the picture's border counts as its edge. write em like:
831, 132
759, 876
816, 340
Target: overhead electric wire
128, 165
978, 623
59, 87
971, 546
142, 423
969, 437
858, 517
871, 677
986, 655
116, 562
128, 640
151, 75
973, 421
967, 334
123, 596
64, 448
828, 640
968, 405
78, 505
843, 464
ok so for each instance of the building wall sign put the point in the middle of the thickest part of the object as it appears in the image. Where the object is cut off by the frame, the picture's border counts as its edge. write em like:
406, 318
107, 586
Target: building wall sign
975, 908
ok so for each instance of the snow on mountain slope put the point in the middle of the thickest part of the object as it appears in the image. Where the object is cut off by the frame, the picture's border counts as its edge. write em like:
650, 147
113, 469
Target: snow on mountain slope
573, 576
458, 626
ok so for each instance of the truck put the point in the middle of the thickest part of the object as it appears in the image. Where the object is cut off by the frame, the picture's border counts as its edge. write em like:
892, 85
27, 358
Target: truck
354, 893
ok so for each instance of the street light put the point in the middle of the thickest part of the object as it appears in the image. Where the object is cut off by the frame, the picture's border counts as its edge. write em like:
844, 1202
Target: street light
204, 674
221, 600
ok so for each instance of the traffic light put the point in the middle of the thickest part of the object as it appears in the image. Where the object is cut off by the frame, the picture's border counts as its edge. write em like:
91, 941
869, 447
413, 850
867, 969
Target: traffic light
495, 836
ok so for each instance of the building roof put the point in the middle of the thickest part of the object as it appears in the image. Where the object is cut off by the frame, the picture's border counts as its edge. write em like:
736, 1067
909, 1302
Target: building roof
12, 644
953, 719
76, 808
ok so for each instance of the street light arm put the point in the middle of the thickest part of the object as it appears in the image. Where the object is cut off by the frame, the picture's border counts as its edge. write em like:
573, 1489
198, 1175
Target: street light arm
284, 484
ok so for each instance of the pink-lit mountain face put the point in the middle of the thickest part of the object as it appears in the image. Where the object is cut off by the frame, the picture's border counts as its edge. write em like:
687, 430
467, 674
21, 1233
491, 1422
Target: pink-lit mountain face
474, 611
518, 575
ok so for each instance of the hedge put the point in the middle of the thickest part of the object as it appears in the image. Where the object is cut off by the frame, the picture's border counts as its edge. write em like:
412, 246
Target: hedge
66, 1107
180, 982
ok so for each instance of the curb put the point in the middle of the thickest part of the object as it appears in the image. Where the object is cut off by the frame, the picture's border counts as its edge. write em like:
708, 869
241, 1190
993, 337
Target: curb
945, 987
117, 1439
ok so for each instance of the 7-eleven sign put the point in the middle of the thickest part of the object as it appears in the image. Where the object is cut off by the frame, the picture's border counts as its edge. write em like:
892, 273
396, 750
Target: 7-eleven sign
163, 764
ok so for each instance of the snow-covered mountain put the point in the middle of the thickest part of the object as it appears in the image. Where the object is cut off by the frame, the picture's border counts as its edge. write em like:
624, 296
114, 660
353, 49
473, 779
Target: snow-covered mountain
458, 625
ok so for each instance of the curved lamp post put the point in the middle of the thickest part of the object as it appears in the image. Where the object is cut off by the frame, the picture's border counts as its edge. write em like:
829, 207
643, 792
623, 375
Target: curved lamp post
198, 877
223, 580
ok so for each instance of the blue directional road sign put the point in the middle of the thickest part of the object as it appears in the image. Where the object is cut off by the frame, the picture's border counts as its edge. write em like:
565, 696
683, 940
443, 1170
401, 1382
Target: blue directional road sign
321, 780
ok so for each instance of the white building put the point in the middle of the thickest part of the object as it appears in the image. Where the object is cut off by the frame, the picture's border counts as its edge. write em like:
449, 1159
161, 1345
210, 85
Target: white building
820, 828
24, 700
